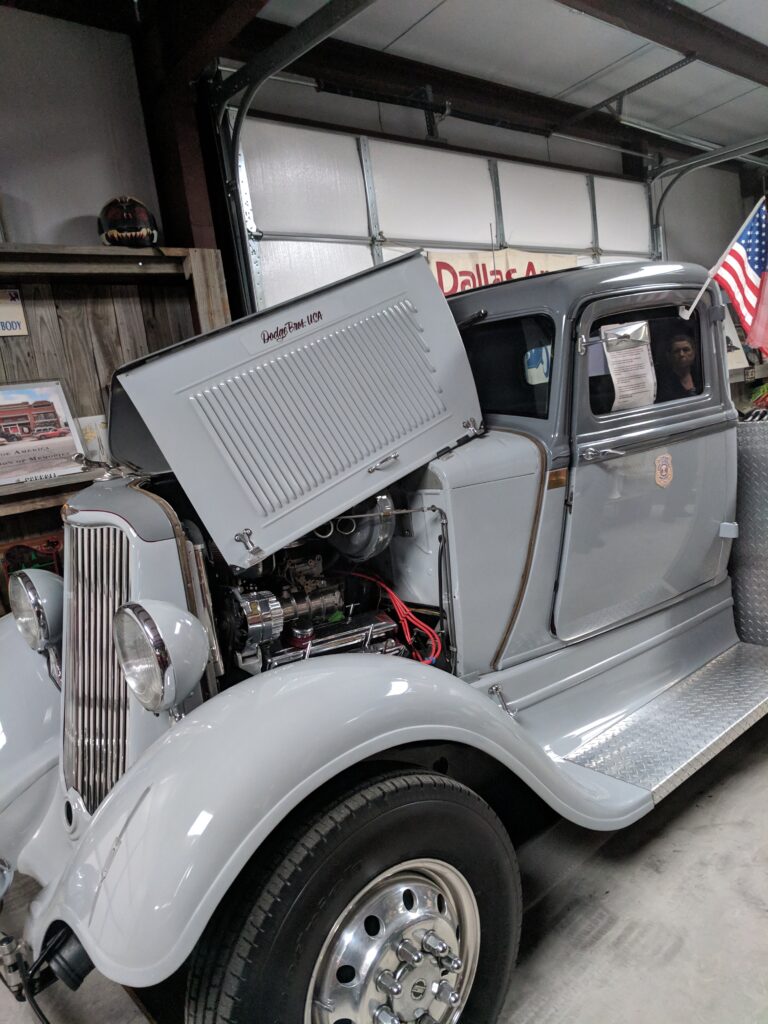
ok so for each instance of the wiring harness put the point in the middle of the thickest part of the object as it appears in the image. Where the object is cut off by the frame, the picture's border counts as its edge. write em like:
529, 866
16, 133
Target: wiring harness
409, 622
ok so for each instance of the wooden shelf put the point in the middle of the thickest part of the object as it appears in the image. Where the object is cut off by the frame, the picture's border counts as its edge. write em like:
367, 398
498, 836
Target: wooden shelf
24, 261
81, 251
200, 267
748, 374
43, 493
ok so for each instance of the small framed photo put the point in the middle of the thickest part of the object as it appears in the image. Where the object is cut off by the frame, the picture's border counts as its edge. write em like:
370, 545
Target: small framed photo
39, 436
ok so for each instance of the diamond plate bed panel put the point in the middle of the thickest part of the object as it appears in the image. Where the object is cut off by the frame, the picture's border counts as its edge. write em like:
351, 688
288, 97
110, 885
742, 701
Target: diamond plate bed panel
663, 743
749, 563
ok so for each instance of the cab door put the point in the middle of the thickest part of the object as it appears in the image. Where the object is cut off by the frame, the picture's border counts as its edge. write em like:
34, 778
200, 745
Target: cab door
653, 470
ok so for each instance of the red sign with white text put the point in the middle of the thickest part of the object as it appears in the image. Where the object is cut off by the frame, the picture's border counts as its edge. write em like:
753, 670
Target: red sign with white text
459, 271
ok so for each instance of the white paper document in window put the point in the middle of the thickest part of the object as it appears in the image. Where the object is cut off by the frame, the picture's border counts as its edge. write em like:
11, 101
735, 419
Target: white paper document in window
628, 353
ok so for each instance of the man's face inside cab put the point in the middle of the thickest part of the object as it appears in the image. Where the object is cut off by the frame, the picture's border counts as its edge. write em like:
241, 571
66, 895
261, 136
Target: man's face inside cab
678, 377
681, 356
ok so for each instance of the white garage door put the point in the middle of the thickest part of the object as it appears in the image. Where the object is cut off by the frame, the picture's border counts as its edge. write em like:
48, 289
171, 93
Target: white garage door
322, 205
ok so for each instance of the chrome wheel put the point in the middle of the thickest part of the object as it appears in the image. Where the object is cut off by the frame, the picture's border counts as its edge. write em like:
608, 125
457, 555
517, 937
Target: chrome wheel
403, 951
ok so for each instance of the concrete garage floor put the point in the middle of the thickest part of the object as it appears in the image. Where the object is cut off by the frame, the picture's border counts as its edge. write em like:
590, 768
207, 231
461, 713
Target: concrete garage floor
665, 922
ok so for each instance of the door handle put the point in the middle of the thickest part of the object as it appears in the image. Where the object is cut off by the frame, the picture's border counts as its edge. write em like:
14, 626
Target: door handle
590, 454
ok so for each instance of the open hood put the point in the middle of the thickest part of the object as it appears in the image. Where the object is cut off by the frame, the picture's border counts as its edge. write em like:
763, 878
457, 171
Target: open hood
281, 421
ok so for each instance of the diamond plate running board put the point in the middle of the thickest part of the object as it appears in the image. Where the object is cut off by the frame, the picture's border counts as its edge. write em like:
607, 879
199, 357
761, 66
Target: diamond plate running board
664, 742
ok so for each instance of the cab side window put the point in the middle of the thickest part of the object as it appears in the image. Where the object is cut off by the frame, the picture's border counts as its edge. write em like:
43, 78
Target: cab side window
511, 362
674, 349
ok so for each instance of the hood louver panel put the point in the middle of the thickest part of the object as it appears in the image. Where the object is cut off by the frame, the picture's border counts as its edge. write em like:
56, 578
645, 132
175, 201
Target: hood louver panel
361, 389
278, 423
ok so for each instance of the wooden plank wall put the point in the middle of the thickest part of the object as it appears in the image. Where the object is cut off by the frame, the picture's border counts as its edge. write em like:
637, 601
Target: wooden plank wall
80, 331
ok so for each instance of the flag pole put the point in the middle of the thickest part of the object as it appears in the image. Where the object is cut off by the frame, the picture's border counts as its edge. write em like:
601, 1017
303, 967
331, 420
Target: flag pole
687, 313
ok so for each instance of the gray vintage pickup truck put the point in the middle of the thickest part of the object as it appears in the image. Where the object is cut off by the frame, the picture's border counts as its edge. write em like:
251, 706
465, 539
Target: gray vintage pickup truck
367, 566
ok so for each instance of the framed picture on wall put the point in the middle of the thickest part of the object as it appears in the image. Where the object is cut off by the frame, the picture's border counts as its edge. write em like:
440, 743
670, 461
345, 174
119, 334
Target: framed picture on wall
39, 436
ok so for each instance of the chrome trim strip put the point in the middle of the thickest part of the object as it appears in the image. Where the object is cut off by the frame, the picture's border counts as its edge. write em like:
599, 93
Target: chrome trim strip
30, 591
518, 602
655, 439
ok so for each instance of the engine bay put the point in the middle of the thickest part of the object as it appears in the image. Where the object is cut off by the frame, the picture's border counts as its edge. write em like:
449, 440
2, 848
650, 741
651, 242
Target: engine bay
328, 592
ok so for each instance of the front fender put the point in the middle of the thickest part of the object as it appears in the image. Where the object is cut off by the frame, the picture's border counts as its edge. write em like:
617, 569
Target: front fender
175, 832
29, 739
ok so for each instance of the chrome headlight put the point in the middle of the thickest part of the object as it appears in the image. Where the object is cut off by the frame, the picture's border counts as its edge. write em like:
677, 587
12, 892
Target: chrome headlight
162, 651
37, 599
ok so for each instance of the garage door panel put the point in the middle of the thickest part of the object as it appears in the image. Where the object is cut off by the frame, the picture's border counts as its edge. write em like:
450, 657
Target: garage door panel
544, 207
432, 196
303, 181
293, 268
623, 224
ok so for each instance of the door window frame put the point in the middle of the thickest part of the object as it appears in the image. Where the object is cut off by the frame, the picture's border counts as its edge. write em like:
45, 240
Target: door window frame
651, 424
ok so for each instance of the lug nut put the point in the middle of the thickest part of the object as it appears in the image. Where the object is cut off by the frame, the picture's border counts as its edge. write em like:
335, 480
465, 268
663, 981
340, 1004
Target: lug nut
447, 994
408, 953
432, 943
388, 983
425, 1018
451, 963
385, 1016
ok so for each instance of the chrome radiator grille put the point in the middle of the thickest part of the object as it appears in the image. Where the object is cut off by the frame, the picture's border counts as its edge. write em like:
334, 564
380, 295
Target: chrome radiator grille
96, 695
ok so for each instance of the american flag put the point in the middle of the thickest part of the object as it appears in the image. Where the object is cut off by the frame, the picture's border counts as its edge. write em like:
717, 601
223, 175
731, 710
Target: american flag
742, 273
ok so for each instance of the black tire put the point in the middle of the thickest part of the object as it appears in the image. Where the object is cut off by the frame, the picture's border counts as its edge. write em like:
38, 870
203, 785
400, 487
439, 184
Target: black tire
254, 962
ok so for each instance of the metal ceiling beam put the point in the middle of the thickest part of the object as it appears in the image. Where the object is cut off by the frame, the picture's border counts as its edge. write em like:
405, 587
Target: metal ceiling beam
351, 70
290, 47
680, 28
630, 89
688, 140
197, 34
716, 156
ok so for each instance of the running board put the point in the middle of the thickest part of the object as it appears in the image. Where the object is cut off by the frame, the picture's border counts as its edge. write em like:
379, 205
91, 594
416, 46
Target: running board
665, 741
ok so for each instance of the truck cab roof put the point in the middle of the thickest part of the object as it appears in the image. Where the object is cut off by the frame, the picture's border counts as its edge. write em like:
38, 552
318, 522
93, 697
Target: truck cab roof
560, 291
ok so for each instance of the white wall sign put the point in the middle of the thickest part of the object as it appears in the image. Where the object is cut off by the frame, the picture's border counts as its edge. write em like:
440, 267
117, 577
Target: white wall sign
13, 323
457, 271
